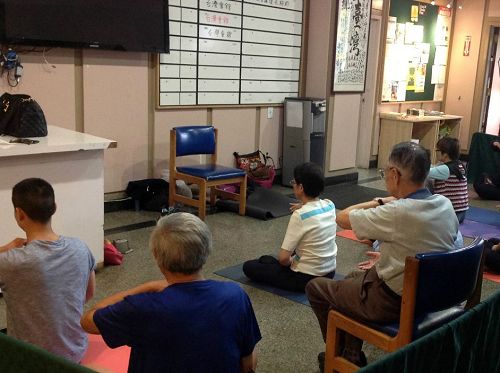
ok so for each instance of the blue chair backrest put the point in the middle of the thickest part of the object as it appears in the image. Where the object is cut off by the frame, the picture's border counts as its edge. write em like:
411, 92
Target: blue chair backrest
446, 279
194, 140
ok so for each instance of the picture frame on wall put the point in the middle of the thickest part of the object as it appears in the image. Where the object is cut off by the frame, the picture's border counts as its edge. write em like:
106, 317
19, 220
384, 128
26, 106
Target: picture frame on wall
351, 45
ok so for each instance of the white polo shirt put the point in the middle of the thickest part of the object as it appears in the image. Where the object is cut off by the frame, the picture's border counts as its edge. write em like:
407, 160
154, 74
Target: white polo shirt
311, 234
406, 227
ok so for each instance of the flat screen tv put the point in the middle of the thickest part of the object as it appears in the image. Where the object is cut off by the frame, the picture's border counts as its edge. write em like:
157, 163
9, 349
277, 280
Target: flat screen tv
127, 25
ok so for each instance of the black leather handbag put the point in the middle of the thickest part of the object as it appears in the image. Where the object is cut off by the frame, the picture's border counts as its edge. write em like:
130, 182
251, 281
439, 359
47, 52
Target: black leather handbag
21, 116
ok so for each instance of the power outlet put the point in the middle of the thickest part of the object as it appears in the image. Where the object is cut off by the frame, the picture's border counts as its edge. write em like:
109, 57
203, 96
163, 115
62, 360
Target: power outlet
270, 112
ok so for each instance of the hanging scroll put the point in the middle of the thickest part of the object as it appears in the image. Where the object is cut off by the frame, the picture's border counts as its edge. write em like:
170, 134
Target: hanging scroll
351, 51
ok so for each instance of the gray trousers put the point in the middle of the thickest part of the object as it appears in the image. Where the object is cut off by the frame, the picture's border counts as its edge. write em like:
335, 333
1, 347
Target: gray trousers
361, 295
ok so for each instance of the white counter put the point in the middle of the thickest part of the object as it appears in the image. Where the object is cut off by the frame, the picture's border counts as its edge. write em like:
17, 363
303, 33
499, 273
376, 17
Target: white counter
73, 163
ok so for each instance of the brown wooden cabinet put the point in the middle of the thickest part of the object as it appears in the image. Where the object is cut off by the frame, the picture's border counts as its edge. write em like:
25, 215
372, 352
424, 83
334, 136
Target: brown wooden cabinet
396, 128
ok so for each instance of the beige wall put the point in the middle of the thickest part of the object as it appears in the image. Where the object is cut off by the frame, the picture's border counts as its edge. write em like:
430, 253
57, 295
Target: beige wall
105, 93
494, 8
463, 69
110, 94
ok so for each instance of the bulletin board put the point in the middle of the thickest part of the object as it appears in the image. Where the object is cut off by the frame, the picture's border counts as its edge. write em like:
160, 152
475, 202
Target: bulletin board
416, 55
231, 52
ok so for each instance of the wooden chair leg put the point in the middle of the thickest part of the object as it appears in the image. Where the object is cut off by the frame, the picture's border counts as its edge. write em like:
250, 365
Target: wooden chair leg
202, 200
243, 197
171, 192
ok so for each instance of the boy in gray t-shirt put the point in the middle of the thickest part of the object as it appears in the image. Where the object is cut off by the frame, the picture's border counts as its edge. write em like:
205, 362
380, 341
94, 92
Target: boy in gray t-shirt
46, 278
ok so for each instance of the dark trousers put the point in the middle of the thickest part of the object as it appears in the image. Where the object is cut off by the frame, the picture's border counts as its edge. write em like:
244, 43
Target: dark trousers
361, 295
487, 190
492, 258
268, 270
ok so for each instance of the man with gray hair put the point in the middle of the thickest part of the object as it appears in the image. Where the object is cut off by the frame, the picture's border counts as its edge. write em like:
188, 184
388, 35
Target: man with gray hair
183, 323
412, 220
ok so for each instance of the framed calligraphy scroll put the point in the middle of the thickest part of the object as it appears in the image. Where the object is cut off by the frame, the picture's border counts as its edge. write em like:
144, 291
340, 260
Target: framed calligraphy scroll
351, 49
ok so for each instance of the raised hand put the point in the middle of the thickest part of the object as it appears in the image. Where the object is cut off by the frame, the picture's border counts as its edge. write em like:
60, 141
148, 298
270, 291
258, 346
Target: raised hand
367, 264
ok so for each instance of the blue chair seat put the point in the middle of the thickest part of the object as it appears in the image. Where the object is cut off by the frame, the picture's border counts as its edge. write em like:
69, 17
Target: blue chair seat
211, 172
423, 324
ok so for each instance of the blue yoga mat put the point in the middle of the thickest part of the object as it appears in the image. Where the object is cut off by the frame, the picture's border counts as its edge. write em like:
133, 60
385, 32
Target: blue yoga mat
236, 273
471, 228
484, 216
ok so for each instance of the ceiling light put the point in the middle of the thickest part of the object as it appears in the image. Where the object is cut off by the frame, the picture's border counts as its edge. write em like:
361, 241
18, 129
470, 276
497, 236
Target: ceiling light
433, 2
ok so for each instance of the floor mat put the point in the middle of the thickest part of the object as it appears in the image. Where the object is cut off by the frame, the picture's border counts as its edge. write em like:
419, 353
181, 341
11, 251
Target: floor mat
99, 355
349, 234
471, 228
235, 273
485, 216
345, 195
492, 276
262, 204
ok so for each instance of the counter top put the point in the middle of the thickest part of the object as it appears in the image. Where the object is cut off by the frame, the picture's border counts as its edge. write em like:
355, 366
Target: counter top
58, 140
416, 118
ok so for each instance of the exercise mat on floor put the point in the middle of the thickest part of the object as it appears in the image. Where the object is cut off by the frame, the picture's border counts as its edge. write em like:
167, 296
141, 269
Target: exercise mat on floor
471, 228
495, 277
345, 195
262, 204
235, 273
484, 216
349, 234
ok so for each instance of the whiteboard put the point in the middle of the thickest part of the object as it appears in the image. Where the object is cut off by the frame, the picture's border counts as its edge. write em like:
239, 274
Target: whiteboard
231, 52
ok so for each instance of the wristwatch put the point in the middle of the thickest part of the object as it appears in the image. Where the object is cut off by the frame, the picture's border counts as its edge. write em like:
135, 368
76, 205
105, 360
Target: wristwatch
380, 201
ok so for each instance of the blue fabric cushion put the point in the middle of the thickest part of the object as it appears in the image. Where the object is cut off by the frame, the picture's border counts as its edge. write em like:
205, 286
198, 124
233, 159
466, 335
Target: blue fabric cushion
211, 172
423, 324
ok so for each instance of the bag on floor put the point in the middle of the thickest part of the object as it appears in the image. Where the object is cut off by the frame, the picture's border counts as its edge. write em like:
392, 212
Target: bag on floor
21, 116
112, 256
255, 165
150, 194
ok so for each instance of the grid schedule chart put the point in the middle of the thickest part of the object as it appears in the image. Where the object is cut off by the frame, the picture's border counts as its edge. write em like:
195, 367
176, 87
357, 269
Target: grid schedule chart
231, 52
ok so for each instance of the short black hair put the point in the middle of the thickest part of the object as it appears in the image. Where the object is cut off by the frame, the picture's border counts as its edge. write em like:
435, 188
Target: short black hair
450, 146
36, 198
413, 158
310, 175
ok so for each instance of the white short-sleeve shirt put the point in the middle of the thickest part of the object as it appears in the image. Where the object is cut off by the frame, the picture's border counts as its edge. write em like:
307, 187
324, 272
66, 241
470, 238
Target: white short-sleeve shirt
311, 234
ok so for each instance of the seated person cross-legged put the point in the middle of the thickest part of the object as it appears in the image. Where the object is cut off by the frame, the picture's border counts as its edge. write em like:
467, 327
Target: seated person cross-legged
488, 186
449, 176
405, 225
183, 323
309, 249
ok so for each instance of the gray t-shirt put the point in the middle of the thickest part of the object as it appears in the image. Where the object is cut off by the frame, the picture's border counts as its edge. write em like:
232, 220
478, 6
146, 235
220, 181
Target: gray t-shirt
44, 285
406, 227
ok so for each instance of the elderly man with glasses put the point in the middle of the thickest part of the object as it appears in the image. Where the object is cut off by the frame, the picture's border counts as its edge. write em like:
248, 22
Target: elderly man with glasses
411, 221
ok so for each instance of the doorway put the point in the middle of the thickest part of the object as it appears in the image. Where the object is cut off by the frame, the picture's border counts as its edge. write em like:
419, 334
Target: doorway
490, 114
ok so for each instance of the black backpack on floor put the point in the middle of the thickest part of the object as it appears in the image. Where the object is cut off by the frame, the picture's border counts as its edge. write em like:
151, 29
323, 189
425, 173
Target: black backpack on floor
151, 194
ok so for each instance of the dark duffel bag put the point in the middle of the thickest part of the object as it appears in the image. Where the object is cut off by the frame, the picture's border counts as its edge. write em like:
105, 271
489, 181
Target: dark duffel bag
150, 194
21, 116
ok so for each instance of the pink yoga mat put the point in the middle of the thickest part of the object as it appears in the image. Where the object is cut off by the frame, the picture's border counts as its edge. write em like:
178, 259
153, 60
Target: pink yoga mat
491, 276
99, 355
349, 234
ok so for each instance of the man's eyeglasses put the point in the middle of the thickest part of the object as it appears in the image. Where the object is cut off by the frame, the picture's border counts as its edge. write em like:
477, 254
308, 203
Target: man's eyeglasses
382, 172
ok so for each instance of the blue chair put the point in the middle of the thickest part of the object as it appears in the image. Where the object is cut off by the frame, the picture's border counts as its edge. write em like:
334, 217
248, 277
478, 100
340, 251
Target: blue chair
194, 140
438, 287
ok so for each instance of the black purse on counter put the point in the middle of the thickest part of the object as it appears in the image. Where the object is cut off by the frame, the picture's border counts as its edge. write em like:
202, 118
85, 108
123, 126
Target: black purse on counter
21, 116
